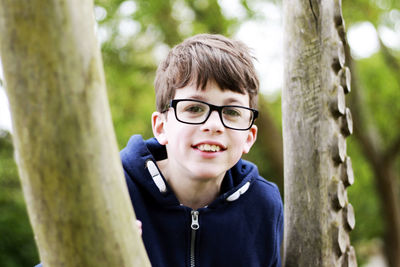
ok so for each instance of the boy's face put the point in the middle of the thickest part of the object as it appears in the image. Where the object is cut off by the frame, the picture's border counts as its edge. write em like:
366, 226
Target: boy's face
186, 144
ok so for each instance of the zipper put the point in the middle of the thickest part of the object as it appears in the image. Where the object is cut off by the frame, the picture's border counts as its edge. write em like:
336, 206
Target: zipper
195, 225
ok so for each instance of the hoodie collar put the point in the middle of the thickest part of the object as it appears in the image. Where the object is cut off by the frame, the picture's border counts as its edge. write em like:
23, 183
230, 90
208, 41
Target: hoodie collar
139, 159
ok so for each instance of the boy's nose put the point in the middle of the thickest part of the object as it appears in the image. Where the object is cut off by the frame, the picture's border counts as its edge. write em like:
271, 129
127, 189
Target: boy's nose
213, 123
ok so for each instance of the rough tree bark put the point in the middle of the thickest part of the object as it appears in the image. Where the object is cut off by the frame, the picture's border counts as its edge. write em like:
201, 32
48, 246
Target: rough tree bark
318, 216
66, 149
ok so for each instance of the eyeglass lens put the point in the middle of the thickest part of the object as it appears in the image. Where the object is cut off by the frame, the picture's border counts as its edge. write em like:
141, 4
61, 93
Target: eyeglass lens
198, 112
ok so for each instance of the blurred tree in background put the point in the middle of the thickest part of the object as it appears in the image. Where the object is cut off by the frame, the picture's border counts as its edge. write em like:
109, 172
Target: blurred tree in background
136, 35
375, 145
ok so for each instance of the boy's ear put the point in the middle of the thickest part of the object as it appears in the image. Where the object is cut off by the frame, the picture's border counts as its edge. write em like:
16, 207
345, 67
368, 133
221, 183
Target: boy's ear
251, 138
158, 126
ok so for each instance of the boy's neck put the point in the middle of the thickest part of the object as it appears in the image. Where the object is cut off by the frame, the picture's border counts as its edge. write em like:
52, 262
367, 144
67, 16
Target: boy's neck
193, 193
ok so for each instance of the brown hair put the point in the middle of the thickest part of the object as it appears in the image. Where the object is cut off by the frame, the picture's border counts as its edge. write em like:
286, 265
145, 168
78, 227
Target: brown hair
204, 58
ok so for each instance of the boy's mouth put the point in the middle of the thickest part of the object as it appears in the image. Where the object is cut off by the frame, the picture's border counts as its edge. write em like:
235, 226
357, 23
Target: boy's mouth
209, 147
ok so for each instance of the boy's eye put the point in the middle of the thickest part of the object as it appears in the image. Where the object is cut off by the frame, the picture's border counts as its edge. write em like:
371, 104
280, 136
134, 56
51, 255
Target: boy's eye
195, 108
232, 112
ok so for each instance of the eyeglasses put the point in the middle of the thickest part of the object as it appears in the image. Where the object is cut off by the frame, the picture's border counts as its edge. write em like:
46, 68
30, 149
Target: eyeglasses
197, 112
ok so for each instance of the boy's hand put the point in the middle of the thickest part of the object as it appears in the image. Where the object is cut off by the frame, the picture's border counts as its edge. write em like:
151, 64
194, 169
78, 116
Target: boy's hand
139, 225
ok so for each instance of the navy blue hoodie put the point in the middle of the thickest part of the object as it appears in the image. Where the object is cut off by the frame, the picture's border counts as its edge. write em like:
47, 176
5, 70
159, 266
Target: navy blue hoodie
242, 227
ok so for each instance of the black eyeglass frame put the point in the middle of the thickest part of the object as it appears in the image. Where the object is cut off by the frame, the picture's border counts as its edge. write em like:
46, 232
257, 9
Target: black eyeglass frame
174, 102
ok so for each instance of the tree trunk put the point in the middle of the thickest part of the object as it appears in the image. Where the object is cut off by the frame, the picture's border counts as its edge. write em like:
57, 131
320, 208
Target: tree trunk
66, 149
318, 216
387, 186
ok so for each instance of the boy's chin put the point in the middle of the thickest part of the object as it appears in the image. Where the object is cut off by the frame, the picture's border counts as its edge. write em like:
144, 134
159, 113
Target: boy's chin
208, 174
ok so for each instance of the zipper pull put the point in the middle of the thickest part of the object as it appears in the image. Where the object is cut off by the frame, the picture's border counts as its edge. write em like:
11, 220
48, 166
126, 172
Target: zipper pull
195, 220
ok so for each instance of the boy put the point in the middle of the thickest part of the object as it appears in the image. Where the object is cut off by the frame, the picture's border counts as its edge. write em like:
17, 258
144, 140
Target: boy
200, 204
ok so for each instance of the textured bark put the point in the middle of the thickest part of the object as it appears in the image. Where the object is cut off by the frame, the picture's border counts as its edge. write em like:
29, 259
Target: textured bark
316, 168
65, 145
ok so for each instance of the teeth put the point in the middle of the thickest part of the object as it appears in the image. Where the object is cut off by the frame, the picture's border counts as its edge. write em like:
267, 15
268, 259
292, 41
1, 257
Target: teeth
209, 148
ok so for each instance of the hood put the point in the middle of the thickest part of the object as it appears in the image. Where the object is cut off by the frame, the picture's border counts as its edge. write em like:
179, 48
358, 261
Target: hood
139, 159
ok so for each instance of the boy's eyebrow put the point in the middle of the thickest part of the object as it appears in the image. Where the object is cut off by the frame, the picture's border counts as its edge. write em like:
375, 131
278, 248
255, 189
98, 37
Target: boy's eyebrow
198, 97
227, 101
232, 100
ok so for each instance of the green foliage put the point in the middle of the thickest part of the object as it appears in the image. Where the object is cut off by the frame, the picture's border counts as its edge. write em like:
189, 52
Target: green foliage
17, 247
257, 154
382, 95
378, 80
367, 206
367, 10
